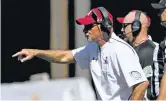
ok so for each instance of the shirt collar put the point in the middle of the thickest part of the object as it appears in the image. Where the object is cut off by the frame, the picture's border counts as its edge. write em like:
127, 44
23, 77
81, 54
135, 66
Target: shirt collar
113, 36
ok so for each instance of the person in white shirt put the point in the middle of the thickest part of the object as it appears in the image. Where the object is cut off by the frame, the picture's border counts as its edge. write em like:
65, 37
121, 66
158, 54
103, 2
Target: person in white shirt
114, 65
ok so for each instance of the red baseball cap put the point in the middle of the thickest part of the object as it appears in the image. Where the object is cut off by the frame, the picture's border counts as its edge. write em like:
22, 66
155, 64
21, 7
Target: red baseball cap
89, 19
121, 19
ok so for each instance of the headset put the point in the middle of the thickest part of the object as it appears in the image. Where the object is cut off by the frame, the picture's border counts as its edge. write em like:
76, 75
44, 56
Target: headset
136, 24
105, 22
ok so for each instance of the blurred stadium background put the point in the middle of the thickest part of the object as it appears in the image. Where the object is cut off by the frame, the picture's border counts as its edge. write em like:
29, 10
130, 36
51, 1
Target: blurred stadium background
50, 24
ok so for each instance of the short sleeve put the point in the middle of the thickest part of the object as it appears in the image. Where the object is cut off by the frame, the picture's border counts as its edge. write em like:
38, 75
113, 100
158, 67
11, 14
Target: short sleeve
130, 66
81, 57
82, 54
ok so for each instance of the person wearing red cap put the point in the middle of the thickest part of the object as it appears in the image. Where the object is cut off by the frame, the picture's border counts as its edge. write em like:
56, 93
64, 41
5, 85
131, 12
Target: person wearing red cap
135, 27
114, 64
162, 14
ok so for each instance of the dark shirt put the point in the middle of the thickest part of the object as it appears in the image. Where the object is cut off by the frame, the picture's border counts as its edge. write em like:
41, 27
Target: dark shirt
152, 61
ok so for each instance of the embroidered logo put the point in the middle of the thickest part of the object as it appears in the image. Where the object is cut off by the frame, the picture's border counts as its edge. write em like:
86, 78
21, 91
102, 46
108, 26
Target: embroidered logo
135, 75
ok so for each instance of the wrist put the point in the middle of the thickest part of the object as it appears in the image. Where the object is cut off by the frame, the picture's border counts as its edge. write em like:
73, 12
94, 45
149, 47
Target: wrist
36, 52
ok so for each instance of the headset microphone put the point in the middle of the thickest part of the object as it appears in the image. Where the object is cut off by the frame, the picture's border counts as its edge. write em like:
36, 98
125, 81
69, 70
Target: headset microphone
123, 36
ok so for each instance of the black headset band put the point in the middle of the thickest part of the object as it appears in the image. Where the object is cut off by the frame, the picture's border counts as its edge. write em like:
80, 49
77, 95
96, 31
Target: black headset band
103, 12
137, 15
94, 15
104, 21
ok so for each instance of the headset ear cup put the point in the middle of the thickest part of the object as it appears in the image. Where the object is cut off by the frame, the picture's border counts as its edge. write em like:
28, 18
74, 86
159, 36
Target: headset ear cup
136, 25
136, 28
107, 25
104, 28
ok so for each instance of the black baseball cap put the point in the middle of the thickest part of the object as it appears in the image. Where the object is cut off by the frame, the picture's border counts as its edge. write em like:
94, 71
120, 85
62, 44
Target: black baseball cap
160, 5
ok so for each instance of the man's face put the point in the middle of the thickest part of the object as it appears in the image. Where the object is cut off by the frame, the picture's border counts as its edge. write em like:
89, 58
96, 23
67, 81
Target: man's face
92, 32
126, 29
163, 14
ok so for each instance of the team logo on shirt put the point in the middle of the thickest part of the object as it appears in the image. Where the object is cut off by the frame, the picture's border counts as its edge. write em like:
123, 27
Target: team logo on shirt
148, 71
135, 75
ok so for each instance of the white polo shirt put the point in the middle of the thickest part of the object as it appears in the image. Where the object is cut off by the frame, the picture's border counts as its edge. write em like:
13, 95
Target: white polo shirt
115, 67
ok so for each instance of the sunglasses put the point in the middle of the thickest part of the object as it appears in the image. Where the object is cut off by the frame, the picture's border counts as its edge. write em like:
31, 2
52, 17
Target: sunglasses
124, 25
88, 27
